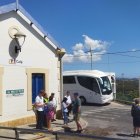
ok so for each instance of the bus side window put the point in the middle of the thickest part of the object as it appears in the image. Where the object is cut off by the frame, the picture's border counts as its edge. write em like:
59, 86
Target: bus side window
89, 83
95, 86
69, 80
85, 82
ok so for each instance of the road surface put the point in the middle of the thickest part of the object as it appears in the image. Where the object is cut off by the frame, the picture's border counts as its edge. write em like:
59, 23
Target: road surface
112, 120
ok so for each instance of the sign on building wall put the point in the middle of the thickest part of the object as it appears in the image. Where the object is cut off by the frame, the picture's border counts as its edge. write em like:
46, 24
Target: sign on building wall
16, 92
13, 61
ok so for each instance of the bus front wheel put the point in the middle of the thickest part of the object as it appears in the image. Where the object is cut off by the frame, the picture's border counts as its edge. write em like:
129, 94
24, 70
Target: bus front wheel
83, 100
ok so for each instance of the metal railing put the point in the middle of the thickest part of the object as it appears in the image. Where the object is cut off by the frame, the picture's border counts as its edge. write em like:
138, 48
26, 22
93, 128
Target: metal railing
55, 133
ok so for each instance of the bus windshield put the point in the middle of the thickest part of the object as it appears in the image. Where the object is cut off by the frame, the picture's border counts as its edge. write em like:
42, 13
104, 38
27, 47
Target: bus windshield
105, 85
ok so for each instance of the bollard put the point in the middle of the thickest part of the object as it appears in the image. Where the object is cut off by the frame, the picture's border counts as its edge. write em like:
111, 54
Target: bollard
16, 134
56, 137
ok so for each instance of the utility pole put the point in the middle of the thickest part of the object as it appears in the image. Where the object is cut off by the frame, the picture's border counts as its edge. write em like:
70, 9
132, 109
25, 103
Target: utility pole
139, 87
91, 57
123, 84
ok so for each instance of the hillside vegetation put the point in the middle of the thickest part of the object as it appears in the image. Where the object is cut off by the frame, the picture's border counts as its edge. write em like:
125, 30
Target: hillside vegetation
127, 89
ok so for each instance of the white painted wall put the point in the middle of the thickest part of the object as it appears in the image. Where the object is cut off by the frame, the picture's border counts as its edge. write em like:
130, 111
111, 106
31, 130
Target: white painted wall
34, 54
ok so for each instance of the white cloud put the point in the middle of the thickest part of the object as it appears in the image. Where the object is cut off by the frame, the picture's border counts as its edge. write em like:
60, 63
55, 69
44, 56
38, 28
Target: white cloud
81, 51
69, 58
133, 50
78, 46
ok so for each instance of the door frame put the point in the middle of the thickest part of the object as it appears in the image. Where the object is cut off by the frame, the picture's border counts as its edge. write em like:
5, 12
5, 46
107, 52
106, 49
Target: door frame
1, 89
29, 72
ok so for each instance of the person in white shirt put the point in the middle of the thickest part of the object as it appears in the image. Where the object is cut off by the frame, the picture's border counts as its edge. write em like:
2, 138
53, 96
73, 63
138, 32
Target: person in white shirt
69, 102
39, 103
65, 111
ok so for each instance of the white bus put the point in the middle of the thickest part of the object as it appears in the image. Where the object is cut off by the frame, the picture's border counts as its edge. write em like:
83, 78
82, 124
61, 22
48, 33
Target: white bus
93, 86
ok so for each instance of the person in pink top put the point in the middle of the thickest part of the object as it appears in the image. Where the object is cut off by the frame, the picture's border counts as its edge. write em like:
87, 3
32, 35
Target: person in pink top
50, 113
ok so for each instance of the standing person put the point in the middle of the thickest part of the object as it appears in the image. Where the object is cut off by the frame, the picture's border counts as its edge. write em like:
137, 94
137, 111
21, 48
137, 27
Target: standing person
46, 100
135, 112
55, 105
69, 102
50, 112
65, 111
77, 112
39, 103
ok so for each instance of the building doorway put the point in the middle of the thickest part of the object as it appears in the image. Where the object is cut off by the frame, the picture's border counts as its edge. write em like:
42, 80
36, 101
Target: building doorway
38, 83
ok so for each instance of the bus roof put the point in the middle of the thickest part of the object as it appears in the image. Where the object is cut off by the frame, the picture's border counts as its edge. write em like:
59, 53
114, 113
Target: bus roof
94, 73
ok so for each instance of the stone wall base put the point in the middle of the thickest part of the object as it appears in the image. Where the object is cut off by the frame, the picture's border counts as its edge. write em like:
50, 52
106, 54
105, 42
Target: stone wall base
59, 114
18, 122
26, 120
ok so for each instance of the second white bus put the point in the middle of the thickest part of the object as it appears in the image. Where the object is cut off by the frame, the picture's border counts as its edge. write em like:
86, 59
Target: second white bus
93, 86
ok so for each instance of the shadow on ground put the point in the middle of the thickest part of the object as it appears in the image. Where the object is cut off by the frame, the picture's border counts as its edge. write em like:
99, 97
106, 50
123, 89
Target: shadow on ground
68, 130
94, 104
99, 131
32, 125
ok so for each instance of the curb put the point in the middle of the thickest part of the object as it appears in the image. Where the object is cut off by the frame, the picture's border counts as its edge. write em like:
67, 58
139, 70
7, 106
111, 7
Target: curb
124, 102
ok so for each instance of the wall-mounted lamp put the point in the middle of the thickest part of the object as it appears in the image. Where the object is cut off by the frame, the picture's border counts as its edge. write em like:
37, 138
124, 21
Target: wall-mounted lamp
18, 36
61, 52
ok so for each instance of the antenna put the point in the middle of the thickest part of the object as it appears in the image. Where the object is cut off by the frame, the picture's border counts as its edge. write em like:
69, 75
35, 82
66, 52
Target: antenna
17, 3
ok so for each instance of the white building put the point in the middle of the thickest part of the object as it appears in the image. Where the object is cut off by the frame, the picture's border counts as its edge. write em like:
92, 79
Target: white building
23, 74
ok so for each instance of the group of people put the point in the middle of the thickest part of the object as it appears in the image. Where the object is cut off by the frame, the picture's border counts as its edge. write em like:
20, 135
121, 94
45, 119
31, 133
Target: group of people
75, 106
45, 109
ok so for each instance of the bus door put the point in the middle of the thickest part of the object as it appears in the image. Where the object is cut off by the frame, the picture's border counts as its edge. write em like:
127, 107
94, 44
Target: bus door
96, 90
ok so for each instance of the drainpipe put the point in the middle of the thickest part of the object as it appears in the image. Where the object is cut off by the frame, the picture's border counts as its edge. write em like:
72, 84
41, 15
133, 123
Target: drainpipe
61, 53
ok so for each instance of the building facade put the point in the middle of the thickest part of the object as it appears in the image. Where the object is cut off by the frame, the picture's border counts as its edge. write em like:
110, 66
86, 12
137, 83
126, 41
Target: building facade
29, 61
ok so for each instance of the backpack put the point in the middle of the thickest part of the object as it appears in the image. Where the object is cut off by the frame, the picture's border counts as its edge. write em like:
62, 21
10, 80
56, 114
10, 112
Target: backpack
135, 111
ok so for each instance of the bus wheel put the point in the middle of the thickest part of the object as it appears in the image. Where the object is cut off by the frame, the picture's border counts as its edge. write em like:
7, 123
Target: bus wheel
83, 100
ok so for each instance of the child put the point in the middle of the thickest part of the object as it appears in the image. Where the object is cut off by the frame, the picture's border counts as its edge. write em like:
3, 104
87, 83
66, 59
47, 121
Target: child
65, 111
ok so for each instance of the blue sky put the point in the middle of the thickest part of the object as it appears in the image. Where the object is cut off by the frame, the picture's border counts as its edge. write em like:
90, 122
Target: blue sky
110, 28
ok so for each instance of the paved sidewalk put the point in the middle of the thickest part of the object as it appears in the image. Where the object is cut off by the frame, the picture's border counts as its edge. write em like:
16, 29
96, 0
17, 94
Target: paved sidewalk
56, 126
